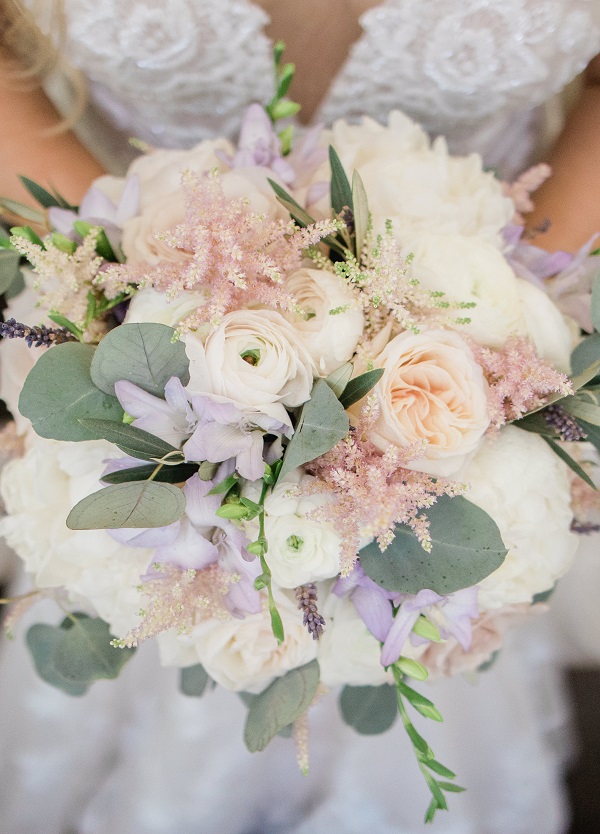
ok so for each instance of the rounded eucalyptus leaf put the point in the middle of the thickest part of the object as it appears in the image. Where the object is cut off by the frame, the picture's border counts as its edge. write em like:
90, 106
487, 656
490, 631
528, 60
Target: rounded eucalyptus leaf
59, 392
132, 504
370, 710
281, 703
85, 654
144, 354
466, 547
193, 680
42, 641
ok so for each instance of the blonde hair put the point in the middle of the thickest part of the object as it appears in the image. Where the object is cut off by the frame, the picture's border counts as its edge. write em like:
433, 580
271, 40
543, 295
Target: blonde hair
33, 34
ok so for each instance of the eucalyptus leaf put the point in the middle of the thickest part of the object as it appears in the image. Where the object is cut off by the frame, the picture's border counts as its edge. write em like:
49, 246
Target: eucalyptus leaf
466, 547
59, 392
193, 681
43, 197
9, 268
42, 641
341, 192
167, 474
282, 703
136, 504
16, 288
144, 354
131, 440
338, 379
84, 654
370, 710
361, 213
595, 306
360, 386
322, 423
572, 464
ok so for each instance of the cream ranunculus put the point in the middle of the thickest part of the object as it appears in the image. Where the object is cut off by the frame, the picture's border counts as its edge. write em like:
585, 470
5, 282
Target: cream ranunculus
524, 486
331, 323
39, 490
151, 306
546, 326
347, 651
243, 654
255, 358
416, 185
432, 392
469, 270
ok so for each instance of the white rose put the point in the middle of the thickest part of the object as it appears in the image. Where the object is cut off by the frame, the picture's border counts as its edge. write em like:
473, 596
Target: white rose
524, 486
255, 358
546, 326
39, 491
468, 269
243, 654
432, 392
417, 186
330, 337
347, 651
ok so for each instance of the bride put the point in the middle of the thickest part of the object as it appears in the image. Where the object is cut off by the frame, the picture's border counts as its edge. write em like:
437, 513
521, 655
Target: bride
134, 756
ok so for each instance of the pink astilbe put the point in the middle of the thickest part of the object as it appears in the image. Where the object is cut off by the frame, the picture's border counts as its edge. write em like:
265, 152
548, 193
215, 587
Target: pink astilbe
521, 189
519, 380
179, 599
236, 255
373, 491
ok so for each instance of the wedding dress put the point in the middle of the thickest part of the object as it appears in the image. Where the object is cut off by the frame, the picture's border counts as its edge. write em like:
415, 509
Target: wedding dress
136, 757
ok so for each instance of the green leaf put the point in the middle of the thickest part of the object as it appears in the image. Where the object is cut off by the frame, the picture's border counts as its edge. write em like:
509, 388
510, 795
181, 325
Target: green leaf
59, 392
63, 321
322, 423
85, 653
572, 464
137, 504
592, 432
370, 710
582, 409
595, 307
103, 247
9, 268
451, 787
282, 109
466, 547
16, 288
43, 197
360, 386
193, 681
338, 379
288, 202
27, 233
341, 193
224, 486
412, 668
419, 702
440, 769
23, 211
144, 354
285, 79
536, 423
586, 354
131, 440
167, 474
42, 641
361, 213
285, 700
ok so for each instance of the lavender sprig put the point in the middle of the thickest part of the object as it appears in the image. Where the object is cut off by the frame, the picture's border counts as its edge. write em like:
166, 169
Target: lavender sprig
568, 428
584, 528
307, 603
40, 336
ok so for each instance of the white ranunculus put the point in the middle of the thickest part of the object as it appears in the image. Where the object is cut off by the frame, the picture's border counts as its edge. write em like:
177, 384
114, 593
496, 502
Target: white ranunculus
546, 326
348, 653
255, 358
524, 486
142, 240
150, 305
243, 654
39, 491
432, 392
417, 186
469, 270
331, 323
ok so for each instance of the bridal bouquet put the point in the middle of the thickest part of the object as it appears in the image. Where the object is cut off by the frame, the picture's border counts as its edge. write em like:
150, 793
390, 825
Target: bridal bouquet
302, 415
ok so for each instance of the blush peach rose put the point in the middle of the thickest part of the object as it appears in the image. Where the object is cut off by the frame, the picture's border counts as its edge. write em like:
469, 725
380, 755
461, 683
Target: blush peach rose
432, 392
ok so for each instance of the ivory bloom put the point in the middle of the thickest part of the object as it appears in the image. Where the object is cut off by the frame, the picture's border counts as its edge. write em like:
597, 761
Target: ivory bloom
432, 392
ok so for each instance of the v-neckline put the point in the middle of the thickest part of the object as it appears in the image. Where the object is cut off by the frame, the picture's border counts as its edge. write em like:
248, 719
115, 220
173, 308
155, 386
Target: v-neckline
361, 20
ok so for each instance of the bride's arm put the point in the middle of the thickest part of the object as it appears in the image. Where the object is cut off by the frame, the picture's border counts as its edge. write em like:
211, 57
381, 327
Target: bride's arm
26, 148
570, 199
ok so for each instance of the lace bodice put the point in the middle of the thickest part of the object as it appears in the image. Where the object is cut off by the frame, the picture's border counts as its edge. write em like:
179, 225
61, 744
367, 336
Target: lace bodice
172, 72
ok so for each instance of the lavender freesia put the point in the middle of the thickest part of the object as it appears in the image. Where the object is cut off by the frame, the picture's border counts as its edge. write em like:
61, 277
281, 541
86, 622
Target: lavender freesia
172, 418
